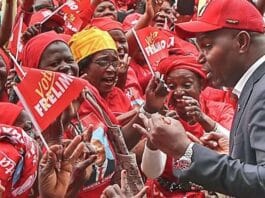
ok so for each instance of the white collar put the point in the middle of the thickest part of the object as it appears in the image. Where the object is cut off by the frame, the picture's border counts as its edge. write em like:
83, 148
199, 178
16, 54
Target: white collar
243, 80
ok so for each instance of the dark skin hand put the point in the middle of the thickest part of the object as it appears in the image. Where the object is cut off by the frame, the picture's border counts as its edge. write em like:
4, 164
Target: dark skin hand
156, 94
56, 167
166, 133
217, 142
115, 191
6, 26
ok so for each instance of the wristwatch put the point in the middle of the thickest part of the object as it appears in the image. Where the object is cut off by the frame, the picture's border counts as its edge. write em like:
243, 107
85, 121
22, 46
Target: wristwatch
184, 162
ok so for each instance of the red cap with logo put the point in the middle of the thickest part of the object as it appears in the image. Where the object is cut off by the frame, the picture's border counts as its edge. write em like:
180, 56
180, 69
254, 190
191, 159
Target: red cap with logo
218, 14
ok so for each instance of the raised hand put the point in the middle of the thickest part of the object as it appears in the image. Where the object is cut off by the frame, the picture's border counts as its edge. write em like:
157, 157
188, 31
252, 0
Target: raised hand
31, 32
124, 64
81, 167
165, 133
115, 191
192, 109
149, 9
56, 166
156, 93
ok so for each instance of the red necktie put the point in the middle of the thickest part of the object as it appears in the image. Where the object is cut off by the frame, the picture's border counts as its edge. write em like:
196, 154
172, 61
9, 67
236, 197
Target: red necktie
100, 173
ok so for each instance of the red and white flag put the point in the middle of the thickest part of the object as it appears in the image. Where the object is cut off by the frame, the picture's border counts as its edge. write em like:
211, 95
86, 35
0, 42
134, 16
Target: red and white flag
154, 44
71, 12
46, 94
15, 44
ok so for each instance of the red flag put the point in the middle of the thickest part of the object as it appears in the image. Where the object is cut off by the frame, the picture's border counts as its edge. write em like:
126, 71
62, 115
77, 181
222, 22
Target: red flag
71, 11
15, 44
45, 94
154, 44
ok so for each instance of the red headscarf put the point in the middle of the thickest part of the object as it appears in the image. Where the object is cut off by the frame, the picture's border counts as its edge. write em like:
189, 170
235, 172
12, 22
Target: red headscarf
188, 62
9, 113
35, 47
106, 24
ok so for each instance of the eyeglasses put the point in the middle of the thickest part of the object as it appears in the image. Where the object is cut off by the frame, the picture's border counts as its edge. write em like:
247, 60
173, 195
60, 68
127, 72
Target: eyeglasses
105, 63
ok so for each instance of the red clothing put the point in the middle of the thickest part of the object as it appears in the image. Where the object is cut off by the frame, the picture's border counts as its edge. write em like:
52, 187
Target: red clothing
19, 158
9, 113
142, 73
220, 112
4, 97
88, 115
219, 95
156, 191
133, 89
117, 102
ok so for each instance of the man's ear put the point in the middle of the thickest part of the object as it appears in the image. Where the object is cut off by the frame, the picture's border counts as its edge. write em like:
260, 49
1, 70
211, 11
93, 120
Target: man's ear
243, 41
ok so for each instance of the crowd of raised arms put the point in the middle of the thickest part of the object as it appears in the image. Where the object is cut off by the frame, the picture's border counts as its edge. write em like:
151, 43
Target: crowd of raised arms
132, 98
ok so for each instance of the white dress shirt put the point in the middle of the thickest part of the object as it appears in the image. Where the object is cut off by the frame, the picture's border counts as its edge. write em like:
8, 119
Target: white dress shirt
243, 80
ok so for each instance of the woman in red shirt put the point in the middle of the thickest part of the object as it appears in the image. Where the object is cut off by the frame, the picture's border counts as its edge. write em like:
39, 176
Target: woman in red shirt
185, 77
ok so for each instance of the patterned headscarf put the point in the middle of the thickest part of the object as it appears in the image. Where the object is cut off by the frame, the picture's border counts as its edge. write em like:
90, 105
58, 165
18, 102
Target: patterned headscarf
21, 153
90, 41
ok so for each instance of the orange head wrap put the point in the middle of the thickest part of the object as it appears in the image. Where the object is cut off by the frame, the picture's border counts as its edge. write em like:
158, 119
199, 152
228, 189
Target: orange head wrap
90, 41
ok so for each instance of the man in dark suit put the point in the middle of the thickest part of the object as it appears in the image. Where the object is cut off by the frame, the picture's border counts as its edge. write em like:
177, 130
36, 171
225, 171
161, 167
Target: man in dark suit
230, 36
103, 166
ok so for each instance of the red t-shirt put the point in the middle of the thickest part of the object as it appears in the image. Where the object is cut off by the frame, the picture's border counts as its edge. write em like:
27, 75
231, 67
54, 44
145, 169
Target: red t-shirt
133, 89
117, 101
219, 95
142, 73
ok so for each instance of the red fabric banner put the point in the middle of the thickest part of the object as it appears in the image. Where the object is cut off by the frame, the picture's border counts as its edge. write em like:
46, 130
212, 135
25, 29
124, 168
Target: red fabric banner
71, 12
45, 94
154, 43
15, 44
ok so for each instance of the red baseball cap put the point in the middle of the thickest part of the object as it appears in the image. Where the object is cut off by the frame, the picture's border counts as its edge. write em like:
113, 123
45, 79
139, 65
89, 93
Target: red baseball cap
218, 14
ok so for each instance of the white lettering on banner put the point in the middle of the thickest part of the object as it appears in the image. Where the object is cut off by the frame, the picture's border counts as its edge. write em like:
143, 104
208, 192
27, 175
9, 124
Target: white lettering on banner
43, 84
14, 133
156, 47
55, 91
72, 5
7, 163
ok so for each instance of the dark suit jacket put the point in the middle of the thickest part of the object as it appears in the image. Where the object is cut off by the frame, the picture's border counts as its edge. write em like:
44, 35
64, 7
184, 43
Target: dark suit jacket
244, 177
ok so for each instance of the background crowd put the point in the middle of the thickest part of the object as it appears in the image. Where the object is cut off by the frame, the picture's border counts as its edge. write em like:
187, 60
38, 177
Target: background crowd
119, 137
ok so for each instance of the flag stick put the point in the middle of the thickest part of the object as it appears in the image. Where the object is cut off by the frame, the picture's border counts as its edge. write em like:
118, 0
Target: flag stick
36, 125
54, 12
145, 56
19, 33
17, 66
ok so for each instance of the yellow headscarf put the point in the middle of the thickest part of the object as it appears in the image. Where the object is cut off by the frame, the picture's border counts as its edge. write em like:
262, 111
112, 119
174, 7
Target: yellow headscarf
90, 41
